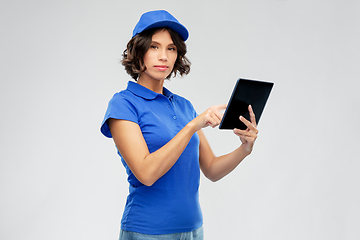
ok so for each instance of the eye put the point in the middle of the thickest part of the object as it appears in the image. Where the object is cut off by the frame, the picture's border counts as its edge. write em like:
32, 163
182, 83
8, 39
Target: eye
172, 48
153, 47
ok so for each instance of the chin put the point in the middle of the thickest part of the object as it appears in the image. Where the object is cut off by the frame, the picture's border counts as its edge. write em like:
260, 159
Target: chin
158, 77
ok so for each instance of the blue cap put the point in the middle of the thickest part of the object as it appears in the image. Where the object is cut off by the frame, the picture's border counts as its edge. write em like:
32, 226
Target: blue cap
160, 18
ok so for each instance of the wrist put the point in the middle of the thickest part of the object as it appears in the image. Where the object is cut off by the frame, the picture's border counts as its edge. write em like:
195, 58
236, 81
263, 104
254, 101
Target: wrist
246, 149
191, 127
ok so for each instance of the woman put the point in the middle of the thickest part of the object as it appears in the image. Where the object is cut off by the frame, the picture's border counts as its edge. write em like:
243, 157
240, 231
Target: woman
159, 138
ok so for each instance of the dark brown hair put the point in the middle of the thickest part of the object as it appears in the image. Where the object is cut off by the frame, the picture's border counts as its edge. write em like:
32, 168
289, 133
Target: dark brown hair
133, 55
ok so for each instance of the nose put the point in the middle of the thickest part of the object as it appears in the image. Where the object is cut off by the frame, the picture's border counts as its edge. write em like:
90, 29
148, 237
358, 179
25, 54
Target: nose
163, 55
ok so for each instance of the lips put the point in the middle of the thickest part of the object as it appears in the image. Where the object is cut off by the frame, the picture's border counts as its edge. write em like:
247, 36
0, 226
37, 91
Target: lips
161, 67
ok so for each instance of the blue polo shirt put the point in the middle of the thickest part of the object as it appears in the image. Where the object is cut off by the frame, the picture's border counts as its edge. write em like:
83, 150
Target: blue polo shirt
171, 204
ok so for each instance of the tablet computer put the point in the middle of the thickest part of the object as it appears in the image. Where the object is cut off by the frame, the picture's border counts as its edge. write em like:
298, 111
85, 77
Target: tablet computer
246, 92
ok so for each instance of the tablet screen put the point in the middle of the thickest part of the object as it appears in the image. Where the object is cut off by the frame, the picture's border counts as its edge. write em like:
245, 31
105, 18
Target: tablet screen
246, 92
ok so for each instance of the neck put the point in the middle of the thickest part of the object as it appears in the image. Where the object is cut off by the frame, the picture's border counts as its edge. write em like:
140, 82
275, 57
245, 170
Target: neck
151, 83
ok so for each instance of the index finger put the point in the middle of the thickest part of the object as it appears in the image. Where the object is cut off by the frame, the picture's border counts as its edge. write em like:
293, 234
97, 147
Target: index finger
252, 116
220, 107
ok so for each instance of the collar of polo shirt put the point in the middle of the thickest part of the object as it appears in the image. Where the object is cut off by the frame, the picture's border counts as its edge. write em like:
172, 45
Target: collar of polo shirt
146, 93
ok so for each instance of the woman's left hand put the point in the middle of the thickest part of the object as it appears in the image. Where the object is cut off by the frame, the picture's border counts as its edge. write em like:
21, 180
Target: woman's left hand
248, 136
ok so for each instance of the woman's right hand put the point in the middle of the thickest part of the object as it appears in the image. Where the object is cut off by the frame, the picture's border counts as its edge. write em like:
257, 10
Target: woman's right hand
211, 117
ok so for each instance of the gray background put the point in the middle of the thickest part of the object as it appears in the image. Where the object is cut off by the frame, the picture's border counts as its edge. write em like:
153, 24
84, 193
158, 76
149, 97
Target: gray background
61, 179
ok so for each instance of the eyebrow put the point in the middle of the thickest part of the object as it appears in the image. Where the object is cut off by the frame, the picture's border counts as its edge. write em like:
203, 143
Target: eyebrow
155, 42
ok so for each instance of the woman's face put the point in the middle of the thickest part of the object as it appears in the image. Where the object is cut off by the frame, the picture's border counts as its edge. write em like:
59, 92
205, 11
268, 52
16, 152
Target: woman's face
159, 60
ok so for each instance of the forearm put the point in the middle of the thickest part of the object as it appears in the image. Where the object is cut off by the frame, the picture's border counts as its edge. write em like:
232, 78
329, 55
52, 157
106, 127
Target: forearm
166, 156
223, 165
156, 164
216, 168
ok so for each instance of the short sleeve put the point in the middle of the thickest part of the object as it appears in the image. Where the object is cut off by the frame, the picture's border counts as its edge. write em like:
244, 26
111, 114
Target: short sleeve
118, 108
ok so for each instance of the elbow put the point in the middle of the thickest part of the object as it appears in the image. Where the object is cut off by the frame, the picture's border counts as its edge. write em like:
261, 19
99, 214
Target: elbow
146, 180
148, 183
144, 174
212, 177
